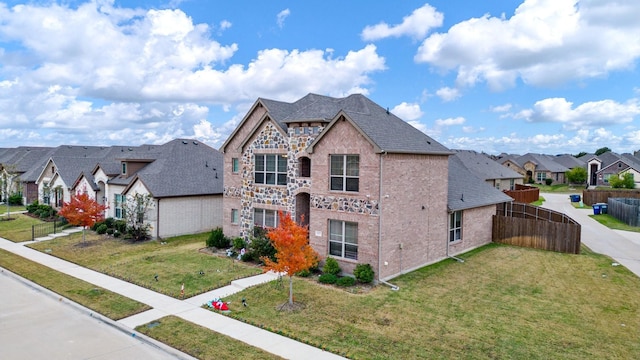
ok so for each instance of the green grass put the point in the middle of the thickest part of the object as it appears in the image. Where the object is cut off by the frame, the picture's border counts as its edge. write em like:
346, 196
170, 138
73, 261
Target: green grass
558, 188
18, 228
175, 261
502, 302
105, 302
200, 342
12, 208
539, 201
613, 223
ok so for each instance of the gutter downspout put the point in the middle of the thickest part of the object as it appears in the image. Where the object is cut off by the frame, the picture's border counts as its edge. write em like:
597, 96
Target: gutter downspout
158, 220
393, 287
451, 256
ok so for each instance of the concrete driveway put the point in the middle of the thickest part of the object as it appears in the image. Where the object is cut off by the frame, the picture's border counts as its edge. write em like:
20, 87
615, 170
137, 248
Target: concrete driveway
33, 326
622, 246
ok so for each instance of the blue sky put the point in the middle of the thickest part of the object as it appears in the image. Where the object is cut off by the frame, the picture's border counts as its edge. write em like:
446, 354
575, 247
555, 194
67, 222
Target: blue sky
546, 76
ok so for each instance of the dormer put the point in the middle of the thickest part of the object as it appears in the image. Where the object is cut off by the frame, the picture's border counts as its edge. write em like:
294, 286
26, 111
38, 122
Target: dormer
129, 167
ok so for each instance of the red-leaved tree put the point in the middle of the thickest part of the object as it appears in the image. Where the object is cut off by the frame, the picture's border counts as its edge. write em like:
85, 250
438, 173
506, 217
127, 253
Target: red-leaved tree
83, 211
293, 252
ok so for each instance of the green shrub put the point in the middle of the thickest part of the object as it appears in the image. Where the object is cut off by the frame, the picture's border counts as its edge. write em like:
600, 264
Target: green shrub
331, 267
328, 278
15, 199
95, 225
31, 208
101, 229
346, 281
120, 225
260, 245
304, 273
239, 243
548, 181
364, 273
116, 233
110, 231
109, 222
217, 239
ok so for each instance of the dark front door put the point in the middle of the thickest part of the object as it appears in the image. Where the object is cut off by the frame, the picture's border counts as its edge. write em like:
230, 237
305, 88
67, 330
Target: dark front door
594, 177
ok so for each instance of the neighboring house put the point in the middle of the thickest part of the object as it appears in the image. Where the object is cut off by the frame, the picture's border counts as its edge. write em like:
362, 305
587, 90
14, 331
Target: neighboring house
601, 167
489, 170
536, 168
371, 188
23, 163
183, 177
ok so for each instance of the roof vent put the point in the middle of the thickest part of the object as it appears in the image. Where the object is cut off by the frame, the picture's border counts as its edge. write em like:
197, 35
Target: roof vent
184, 142
195, 143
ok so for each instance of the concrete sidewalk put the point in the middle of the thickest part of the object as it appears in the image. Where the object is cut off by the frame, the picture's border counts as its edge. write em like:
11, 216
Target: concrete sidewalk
622, 246
188, 309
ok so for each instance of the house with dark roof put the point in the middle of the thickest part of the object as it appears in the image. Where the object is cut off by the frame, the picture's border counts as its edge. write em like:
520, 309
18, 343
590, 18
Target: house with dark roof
536, 168
490, 171
600, 168
21, 164
183, 178
371, 188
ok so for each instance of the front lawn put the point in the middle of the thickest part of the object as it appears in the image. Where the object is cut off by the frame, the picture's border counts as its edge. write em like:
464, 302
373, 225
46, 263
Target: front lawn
502, 302
17, 229
105, 302
175, 261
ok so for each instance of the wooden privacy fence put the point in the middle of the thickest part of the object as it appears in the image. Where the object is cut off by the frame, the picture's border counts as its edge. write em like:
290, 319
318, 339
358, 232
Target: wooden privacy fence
590, 197
534, 227
524, 194
625, 210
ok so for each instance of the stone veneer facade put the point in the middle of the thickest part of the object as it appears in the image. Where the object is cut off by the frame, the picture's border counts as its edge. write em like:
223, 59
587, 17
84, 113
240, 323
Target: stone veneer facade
400, 208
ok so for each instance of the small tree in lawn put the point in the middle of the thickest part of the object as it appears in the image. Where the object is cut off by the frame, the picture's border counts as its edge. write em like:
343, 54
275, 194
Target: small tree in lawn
293, 252
134, 212
83, 211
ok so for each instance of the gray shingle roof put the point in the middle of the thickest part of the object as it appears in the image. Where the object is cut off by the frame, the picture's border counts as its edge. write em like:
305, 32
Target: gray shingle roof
543, 162
569, 161
484, 167
467, 191
183, 168
385, 130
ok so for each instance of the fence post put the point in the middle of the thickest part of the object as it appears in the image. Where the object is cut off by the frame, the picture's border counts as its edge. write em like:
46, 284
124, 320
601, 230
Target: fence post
54, 226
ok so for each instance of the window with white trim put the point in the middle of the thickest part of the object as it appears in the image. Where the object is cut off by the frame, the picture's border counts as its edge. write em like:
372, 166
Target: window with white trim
270, 169
343, 239
234, 216
455, 226
541, 176
117, 206
345, 172
265, 217
235, 165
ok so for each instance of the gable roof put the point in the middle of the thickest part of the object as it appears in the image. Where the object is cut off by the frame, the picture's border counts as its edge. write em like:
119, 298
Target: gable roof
183, 167
569, 161
385, 131
484, 167
467, 191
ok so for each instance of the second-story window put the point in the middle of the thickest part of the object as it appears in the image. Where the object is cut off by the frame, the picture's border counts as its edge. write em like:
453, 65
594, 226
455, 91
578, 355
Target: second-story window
124, 168
305, 166
235, 165
345, 173
270, 169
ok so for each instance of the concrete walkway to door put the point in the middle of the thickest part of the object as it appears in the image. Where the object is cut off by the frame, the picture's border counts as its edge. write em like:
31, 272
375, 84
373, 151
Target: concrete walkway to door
622, 246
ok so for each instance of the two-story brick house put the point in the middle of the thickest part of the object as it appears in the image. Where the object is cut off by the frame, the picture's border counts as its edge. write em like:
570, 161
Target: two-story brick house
372, 188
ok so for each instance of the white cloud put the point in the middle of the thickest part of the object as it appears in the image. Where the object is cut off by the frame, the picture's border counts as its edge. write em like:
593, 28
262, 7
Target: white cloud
546, 42
472, 129
501, 108
282, 15
448, 94
450, 121
588, 114
416, 25
407, 112
225, 24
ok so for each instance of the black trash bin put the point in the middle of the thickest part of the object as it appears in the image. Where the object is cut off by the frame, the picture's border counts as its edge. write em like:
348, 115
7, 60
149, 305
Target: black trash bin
604, 208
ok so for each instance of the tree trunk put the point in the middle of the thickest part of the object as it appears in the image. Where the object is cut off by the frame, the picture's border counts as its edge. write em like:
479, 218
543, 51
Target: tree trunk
83, 233
290, 290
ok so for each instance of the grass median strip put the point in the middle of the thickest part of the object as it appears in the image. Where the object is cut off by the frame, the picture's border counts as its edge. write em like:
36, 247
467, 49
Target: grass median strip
200, 342
105, 302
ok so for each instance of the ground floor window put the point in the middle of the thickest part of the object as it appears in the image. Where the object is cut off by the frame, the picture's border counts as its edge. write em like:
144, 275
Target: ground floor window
343, 239
118, 206
541, 176
234, 216
455, 226
265, 217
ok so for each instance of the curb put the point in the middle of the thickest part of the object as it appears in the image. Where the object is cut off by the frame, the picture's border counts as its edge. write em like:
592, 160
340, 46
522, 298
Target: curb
100, 318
